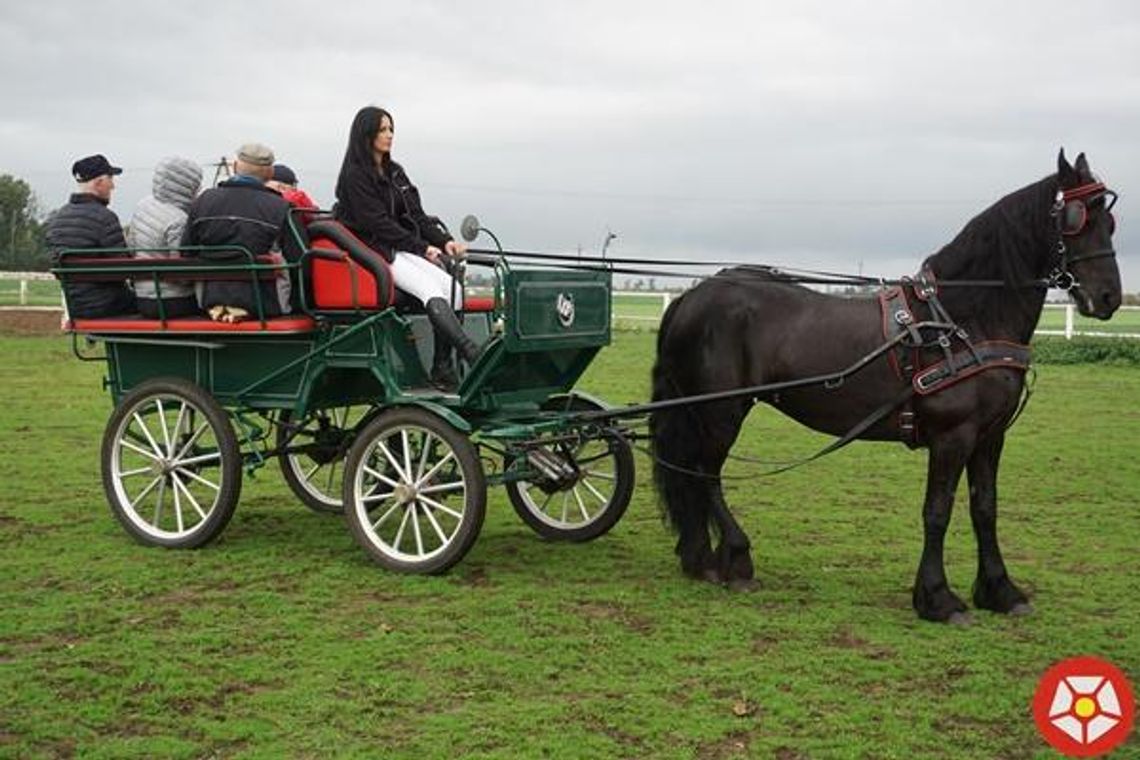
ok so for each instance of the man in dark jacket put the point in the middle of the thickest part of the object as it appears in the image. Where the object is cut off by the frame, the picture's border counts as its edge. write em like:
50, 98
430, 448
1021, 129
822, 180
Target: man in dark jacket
241, 212
86, 222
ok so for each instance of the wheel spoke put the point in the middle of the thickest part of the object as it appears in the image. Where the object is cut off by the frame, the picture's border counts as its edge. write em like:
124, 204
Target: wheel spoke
380, 476
374, 497
145, 491
165, 428
565, 505
177, 505
193, 436
178, 511
157, 509
131, 473
177, 427
436, 505
200, 459
139, 450
597, 494
423, 463
146, 431
581, 506
392, 461
599, 475
400, 532
308, 476
435, 524
385, 516
416, 529
435, 469
332, 474
442, 487
195, 476
186, 492
408, 453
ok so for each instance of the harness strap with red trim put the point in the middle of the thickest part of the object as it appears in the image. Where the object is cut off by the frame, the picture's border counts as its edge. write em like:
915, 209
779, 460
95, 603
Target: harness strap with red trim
906, 359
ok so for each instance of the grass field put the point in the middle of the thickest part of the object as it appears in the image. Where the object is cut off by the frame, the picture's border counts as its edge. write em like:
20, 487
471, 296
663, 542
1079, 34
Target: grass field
282, 640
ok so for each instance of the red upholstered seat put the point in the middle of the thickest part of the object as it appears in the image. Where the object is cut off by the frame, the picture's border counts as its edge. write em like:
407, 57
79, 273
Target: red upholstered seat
479, 303
345, 273
291, 324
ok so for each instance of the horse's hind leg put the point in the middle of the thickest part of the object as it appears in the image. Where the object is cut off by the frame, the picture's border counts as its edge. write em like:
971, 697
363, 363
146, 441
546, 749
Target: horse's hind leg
734, 554
993, 590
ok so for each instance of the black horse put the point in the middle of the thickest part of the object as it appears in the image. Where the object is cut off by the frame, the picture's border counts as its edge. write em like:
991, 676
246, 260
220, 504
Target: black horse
952, 386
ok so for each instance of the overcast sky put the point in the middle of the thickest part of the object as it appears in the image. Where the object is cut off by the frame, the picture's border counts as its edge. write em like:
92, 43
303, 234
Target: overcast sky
826, 135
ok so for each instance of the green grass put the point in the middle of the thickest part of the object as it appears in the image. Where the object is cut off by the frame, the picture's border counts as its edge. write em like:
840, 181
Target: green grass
281, 639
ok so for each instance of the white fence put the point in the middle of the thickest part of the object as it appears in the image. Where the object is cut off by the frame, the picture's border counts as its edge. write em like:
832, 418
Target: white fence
24, 278
1069, 331
665, 298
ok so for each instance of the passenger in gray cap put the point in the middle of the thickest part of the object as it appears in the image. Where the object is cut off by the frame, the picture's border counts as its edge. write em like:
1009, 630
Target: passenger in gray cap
241, 212
158, 224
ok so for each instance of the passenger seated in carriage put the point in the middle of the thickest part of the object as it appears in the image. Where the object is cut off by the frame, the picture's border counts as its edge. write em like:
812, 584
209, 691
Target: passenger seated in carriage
158, 223
241, 212
377, 201
86, 222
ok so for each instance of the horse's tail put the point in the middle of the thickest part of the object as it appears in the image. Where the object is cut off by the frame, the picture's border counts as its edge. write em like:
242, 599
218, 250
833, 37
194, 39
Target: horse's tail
675, 444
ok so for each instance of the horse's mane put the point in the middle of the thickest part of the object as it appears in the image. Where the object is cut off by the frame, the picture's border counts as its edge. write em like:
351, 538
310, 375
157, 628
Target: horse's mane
1009, 241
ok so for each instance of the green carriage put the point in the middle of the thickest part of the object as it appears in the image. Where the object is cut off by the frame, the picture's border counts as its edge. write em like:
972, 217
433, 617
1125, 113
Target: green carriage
338, 394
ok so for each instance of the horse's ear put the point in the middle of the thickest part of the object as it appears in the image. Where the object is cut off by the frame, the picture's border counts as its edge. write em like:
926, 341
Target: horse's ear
1064, 169
1082, 167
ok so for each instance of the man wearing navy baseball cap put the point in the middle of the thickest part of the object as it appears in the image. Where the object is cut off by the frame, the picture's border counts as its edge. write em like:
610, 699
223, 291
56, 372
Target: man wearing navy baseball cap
86, 222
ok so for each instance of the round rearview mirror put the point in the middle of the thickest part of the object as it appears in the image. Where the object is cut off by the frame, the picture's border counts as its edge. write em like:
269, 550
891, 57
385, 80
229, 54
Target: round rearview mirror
469, 227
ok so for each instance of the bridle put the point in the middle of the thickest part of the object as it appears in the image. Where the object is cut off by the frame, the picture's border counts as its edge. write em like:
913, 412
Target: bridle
1070, 210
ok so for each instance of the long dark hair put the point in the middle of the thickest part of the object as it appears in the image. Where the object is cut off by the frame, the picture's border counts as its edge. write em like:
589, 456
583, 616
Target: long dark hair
359, 154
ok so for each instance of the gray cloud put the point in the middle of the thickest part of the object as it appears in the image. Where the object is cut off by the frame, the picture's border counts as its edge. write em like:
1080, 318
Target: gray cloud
812, 134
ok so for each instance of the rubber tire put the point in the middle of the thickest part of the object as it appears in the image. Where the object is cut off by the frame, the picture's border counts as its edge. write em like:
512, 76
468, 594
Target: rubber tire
471, 467
230, 466
607, 518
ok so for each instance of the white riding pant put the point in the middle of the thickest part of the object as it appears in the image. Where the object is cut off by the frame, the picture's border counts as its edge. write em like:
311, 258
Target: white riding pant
423, 280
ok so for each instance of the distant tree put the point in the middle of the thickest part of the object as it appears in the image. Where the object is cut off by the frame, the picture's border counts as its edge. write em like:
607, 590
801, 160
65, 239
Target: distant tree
21, 231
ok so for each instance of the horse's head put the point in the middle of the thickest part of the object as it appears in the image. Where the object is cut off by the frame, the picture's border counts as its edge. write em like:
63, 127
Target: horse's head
1086, 261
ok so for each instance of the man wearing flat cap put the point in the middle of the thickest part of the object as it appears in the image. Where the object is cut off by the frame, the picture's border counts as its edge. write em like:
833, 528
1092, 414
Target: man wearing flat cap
86, 223
241, 212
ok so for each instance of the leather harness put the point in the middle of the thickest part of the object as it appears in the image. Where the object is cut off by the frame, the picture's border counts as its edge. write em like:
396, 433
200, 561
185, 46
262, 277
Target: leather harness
906, 358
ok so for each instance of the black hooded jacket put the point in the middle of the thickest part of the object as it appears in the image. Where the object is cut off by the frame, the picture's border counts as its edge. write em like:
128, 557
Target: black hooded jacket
382, 207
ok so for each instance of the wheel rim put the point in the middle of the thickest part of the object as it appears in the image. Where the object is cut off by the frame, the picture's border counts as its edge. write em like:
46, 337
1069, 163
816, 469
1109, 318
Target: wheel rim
166, 466
323, 481
587, 499
410, 493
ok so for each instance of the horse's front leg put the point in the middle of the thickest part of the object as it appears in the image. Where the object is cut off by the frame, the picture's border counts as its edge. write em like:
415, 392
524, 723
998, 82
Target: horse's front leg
993, 590
933, 599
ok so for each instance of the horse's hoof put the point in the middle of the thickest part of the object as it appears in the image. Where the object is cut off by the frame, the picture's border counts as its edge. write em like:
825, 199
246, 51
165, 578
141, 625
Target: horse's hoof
744, 585
1021, 609
711, 576
963, 619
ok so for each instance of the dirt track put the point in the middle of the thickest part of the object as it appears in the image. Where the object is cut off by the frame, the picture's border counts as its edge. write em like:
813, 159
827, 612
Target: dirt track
29, 321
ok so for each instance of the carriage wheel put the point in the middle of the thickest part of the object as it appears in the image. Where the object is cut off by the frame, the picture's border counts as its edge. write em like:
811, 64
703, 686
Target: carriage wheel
414, 492
171, 464
316, 475
594, 500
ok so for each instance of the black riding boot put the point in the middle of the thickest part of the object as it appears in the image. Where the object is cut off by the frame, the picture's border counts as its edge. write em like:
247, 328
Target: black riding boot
448, 333
442, 364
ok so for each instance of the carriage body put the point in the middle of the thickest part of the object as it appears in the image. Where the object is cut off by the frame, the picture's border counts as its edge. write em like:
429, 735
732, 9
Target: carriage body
325, 388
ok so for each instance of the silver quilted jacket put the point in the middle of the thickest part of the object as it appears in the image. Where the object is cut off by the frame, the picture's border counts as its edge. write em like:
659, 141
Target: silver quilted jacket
160, 217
